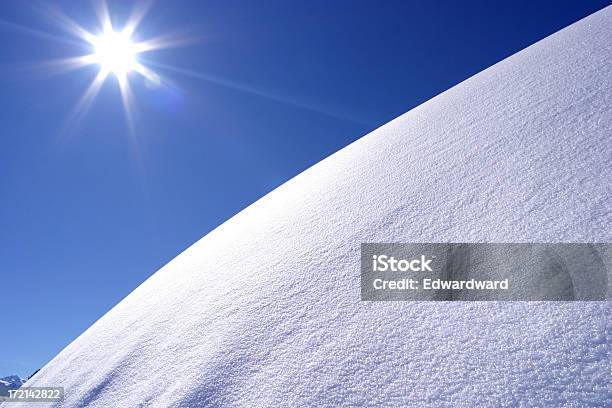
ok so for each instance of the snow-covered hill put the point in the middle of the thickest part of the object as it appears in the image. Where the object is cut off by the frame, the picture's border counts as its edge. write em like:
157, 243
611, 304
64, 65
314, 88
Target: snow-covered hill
265, 310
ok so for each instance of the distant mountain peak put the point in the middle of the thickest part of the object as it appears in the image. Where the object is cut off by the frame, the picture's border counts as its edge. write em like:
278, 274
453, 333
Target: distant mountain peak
13, 379
11, 382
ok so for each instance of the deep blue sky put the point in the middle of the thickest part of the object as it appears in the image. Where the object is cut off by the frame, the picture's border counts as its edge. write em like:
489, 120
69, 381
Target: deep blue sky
86, 215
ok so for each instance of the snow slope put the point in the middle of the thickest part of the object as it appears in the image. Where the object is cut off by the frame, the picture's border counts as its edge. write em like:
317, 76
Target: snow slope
265, 310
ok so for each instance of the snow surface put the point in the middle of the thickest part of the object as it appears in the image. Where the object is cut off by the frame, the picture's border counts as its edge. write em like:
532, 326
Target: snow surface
265, 310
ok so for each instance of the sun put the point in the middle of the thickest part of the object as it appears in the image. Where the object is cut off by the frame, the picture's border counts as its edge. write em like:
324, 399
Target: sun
115, 53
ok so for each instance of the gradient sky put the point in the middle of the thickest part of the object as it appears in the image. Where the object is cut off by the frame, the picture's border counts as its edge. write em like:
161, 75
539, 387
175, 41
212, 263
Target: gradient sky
88, 212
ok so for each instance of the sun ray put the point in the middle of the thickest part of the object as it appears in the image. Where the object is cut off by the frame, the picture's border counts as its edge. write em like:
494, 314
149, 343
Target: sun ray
103, 14
36, 33
170, 40
148, 74
67, 24
69, 64
57, 66
85, 101
263, 93
138, 13
126, 99
128, 110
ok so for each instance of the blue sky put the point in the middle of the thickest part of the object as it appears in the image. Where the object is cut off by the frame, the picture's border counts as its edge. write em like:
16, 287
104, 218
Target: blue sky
88, 210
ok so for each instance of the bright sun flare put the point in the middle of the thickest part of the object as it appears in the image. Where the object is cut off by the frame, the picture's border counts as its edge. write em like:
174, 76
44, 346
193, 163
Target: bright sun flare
115, 53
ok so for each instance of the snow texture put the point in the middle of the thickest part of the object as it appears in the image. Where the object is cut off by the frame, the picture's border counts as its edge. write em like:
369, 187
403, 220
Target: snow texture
265, 310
